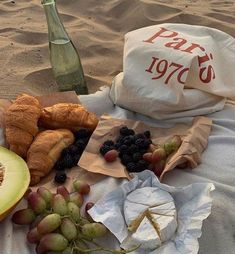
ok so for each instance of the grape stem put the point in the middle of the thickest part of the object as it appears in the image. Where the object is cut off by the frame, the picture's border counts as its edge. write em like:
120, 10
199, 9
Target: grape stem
100, 248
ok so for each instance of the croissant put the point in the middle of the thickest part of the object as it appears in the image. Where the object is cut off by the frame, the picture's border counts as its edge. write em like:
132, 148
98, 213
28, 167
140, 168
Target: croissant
21, 120
69, 116
45, 151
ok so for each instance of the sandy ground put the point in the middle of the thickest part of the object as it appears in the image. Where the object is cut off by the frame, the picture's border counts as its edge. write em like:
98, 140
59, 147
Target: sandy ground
97, 28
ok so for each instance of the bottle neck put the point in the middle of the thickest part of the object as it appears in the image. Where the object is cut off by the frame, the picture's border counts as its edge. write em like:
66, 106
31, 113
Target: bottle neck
56, 30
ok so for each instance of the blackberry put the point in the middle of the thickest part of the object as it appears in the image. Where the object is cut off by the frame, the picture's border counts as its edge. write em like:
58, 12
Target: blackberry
60, 177
73, 150
120, 139
140, 142
131, 167
131, 132
59, 165
81, 145
76, 159
82, 133
132, 149
147, 134
64, 152
139, 135
125, 159
137, 156
109, 143
143, 151
123, 148
146, 143
117, 145
85, 140
128, 140
104, 149
141, 165
124, 131
67, 161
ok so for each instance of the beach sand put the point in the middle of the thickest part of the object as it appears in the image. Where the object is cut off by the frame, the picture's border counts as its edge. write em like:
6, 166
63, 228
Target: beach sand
97, 28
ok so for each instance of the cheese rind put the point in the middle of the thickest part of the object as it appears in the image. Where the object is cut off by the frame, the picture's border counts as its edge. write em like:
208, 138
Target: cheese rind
150, 215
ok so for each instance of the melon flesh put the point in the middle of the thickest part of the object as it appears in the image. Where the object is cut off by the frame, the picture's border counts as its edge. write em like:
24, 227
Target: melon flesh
16, 178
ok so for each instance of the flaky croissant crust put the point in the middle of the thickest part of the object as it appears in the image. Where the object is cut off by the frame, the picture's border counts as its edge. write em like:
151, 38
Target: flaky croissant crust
21, 121
68, 115
45, 151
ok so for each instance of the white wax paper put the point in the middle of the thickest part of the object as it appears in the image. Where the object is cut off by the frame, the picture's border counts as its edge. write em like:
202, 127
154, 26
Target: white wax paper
193, 204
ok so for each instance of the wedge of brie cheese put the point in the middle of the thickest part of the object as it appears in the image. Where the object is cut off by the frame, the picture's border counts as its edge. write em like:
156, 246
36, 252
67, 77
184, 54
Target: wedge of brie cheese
151, 217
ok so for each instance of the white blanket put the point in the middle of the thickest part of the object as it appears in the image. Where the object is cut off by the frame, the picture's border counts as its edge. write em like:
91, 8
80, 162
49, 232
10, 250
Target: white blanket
217, 166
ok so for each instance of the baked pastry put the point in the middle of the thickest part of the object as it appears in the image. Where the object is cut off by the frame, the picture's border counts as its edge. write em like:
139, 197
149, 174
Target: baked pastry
21, 119
69, 116
45, 151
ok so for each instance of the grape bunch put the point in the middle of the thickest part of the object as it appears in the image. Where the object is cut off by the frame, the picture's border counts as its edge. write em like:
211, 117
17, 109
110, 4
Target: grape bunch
56, 224
129, 147
71, 154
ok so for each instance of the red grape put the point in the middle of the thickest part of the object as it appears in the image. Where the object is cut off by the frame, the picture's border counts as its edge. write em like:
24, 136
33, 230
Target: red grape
36, 202
59, 205
24, 216
68, 229
63, 191
81, 187
49, 223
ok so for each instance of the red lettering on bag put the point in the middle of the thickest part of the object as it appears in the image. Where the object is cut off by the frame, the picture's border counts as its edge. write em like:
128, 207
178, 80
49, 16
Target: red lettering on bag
182, 72
176, 45
206, 73
210, 74
192, 47
162, 34
152, 64
162, 68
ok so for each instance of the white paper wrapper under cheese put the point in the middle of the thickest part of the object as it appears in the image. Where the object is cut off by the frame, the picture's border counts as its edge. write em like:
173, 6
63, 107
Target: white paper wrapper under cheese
161, 210
193, 205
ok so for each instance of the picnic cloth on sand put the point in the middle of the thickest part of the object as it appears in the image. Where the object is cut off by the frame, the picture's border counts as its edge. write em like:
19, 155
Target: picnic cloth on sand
217, 166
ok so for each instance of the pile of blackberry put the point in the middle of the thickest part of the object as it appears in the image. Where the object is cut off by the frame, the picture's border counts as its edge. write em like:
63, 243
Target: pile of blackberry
130, 146
71, 154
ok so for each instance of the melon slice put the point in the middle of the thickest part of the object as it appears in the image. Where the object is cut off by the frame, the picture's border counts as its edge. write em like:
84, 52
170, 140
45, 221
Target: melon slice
14, 180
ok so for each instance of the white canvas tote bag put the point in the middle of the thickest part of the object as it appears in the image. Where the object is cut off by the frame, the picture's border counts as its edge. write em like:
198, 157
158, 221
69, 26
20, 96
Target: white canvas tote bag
175, 70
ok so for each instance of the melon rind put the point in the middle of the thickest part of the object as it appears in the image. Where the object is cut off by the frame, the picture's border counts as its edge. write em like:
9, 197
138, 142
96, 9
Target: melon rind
15, 183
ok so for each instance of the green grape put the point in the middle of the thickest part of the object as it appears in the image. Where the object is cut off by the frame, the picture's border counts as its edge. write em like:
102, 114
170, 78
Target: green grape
68, 229
36, 202
94, 230
33, 236
81, 187
59, 205
63, 191
84, 221
49, 223
76, 198
74, 211
24, 216
54, 242
37, 220
45, 194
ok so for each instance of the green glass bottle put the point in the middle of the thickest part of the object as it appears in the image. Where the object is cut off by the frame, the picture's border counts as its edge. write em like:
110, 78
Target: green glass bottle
65, 61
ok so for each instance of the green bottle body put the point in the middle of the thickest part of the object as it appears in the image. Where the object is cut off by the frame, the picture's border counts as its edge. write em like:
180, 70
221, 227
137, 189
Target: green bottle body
65, 61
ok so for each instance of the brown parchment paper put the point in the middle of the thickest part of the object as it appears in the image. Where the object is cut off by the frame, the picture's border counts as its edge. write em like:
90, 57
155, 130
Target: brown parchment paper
92, 167
194, 141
